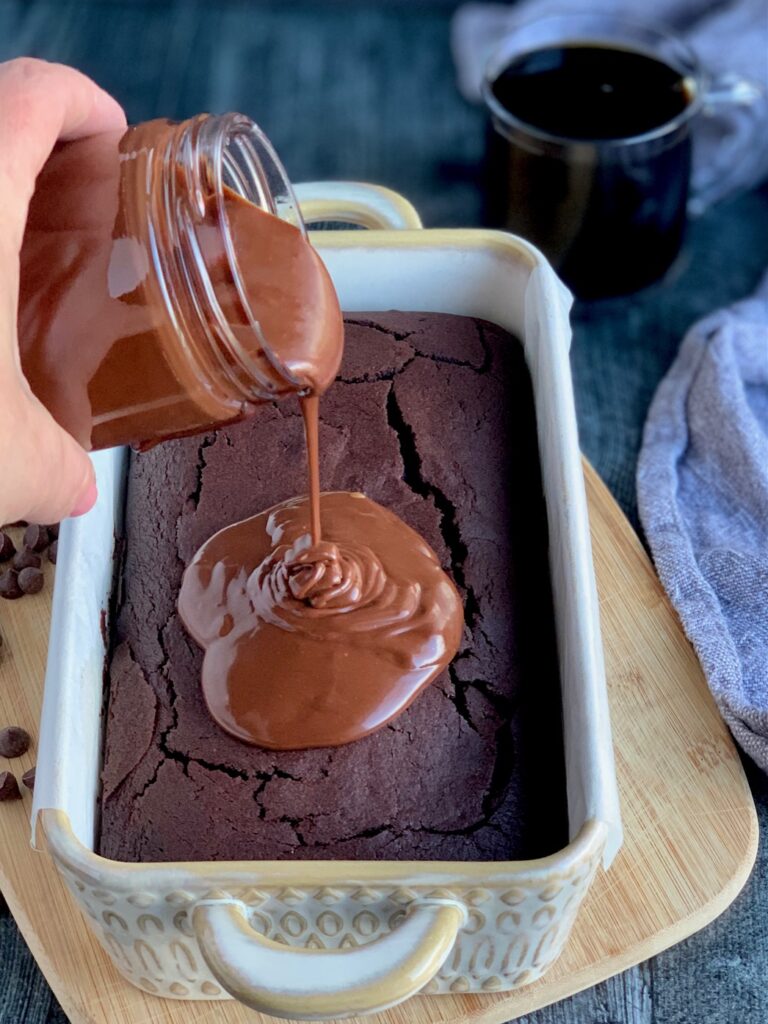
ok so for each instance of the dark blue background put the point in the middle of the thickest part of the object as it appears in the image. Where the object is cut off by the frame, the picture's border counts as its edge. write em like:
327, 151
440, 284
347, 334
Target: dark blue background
351, 89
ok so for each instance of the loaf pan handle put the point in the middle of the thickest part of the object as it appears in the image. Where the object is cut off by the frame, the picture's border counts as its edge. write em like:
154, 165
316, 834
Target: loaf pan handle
355, 202
318, 984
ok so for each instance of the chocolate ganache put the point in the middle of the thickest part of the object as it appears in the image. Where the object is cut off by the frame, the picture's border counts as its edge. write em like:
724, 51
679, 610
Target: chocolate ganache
317, 644
322, 618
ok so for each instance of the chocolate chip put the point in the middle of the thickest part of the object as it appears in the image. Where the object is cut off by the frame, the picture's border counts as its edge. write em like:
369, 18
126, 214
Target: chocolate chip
28, 778
53, 530
9, 585
31, 580
9, 787
14, 741
26, 559
36, 537
7, 547
53, 552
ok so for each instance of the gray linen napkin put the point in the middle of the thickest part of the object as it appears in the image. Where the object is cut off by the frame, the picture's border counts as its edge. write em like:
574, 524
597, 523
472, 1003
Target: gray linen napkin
730, 38
702, 483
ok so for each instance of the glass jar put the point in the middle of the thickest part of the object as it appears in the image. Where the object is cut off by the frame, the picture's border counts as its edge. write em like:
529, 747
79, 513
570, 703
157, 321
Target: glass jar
167, 284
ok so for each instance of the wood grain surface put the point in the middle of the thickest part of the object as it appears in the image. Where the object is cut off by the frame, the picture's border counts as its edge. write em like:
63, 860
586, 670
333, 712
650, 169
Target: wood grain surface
690, 824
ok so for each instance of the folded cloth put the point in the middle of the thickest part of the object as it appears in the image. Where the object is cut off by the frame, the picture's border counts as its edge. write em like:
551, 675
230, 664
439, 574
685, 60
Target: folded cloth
730, 37
702, 483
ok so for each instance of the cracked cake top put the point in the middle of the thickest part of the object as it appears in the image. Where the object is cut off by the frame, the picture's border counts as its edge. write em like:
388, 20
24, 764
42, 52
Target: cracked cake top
431, 416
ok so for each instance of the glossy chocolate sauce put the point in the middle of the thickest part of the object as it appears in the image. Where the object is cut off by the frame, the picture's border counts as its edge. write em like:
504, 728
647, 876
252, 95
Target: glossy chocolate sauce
310, 408
321, 618
313, 645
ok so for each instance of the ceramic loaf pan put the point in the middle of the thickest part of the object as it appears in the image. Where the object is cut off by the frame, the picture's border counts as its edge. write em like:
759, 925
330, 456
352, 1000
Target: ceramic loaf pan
326, 939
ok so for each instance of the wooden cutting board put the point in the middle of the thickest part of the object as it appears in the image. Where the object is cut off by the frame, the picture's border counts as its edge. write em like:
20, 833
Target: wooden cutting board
690, 824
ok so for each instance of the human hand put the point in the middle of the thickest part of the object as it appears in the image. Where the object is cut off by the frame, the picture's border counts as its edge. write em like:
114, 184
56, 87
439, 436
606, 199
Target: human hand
45, 475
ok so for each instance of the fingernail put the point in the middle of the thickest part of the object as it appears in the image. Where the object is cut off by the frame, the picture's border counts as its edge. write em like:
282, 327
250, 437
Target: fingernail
87, 501
107, 104
107, 114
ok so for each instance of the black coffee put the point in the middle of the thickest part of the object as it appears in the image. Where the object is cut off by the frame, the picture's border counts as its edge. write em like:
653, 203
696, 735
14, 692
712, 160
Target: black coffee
609, 213
591, 92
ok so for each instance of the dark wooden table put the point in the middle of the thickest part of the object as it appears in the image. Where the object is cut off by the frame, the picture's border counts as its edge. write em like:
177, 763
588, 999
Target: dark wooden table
348, 89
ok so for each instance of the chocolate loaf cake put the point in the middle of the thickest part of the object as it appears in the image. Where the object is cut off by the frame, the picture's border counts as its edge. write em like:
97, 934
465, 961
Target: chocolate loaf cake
432, 416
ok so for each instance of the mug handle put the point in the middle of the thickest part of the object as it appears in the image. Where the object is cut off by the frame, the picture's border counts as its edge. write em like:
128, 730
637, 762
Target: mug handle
723, 91
355, 202
321, 984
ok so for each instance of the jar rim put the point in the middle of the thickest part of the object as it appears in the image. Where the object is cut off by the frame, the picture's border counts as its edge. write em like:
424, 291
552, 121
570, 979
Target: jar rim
239, 156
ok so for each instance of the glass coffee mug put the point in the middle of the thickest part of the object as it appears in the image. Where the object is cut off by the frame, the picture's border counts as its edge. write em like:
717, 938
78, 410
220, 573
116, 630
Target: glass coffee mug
589, 153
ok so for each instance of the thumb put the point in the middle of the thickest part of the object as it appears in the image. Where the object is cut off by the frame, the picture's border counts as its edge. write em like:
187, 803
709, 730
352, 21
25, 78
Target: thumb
50, 476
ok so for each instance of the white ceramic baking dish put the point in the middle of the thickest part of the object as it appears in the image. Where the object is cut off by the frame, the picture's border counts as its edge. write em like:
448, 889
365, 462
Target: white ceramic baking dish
327, 939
